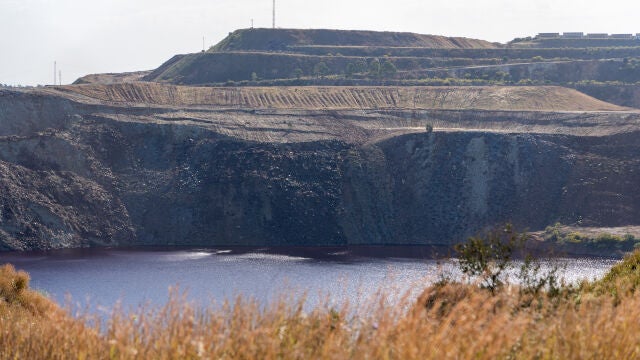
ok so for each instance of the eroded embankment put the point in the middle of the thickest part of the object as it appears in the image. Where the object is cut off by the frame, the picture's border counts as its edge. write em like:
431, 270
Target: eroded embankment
101, 172
523, 98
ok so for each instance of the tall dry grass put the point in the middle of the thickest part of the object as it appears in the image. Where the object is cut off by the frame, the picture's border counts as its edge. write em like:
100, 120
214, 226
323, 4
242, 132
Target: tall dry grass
448, 321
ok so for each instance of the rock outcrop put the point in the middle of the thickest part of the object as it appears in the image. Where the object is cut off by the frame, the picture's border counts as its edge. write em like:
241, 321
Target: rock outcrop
147, 164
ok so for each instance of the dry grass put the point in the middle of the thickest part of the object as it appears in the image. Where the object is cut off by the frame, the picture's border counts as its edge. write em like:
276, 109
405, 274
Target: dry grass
449, 321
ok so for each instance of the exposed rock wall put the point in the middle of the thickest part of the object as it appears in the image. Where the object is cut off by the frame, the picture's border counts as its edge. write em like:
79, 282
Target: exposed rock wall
74, 174
620, 94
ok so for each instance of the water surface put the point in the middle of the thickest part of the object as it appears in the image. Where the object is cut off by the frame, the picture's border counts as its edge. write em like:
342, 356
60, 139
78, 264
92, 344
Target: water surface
105, 276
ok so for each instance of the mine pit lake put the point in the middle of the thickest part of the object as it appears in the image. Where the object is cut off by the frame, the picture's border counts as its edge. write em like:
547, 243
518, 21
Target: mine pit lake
103, 277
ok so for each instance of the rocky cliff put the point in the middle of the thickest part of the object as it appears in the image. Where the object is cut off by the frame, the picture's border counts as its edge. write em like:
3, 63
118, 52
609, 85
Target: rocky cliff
149, 164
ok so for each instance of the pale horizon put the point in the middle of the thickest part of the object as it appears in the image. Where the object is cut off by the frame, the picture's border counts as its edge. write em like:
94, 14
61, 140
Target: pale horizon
121, 36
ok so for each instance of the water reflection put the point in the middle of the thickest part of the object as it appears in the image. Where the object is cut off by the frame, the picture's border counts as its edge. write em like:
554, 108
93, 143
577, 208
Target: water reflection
213, 275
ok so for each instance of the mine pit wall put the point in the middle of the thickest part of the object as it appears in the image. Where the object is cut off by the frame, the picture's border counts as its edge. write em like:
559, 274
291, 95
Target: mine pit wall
73, 179
619, 94
439, 187
414, 189
24, 114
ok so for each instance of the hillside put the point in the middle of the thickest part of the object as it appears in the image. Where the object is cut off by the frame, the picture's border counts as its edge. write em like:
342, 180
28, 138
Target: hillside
273, 54
112, 78
230, 67
522, 98
616, 93
288, 57
281, 39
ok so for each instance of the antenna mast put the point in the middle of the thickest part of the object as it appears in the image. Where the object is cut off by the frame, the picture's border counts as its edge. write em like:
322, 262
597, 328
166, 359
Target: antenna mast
55, 71
274, 14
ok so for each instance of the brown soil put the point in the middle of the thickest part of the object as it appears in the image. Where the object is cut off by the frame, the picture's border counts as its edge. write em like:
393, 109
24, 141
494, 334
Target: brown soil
523, 98
112, 78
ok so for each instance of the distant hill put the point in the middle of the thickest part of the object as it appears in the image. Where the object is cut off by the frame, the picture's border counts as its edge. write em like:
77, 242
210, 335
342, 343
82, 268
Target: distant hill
111, 78
281, 39
276, 54
294, 57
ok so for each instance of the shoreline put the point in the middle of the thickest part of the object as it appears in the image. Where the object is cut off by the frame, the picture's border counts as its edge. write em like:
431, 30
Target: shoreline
322, 253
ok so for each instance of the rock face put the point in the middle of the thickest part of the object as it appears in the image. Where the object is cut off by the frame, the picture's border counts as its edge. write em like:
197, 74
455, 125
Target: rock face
78, 169
622, 94
54, 209
433, 188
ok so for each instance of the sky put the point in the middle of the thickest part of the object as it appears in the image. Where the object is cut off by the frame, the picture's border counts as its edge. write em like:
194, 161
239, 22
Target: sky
99, 36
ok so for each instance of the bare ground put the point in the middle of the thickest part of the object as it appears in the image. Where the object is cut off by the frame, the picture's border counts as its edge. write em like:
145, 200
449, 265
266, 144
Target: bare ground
522, 98
354, 114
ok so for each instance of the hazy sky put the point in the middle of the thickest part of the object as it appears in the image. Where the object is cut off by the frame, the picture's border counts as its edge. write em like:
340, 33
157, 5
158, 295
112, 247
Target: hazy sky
92, 36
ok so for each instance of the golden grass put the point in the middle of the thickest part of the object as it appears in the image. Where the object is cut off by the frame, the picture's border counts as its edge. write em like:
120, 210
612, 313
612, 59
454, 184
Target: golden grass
448, 321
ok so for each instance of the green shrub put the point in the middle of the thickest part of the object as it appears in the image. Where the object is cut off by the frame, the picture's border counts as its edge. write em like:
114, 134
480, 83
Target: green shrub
533, 280
573, 237
321, 70
552, 233
297, 73
490, 256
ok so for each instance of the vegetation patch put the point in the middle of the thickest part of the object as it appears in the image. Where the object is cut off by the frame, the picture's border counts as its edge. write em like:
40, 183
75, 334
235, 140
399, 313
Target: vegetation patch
449, 320
574, 240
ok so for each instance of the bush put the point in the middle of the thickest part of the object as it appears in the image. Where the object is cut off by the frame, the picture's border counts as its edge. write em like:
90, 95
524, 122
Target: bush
297, 73
321, 70
428, 128
533, 280
15, 292
490, 256
374, 68
388, 69
578, 241
12, 284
